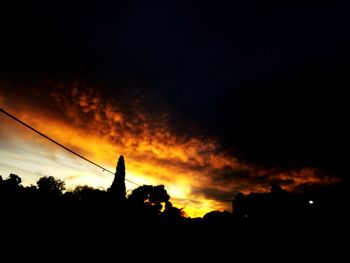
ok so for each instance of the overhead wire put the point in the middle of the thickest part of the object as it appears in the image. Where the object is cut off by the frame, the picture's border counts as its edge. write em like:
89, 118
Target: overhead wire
60, 145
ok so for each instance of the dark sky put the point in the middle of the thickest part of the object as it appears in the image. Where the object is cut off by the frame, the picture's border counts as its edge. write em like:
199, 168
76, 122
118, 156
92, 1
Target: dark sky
267, 78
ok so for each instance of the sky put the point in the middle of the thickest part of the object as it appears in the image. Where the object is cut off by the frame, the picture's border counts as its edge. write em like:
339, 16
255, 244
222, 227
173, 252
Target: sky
206, 98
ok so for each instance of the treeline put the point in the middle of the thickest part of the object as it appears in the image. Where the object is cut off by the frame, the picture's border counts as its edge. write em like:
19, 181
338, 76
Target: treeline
49, 198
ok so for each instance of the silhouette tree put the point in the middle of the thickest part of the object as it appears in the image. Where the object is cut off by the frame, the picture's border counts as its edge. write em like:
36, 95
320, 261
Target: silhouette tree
117, 189
14, 180
173, 214
11, 195
276, 189
12, 184
239, 206
217, 217
89, 196
48, 184
149, 200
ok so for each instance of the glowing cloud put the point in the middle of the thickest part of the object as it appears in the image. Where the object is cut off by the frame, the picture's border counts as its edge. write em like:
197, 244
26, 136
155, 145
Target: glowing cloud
196, 174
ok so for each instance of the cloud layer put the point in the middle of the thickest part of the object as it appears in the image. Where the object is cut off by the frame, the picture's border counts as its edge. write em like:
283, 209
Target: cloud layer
198, 174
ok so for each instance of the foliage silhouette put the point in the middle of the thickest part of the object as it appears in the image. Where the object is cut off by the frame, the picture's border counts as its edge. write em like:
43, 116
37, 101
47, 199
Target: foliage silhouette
11, 184
118, 189
148, 201
87, 206
217, 217
48, 184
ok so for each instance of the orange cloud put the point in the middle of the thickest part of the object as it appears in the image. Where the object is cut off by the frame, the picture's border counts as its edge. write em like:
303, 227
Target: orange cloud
196, 174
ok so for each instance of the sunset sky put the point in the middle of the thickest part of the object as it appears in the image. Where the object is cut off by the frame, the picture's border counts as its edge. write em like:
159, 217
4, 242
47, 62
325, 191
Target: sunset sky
207, 99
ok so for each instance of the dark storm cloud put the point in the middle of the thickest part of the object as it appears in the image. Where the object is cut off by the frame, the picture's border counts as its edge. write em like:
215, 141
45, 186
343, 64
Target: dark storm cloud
226, 184
236, 184
294, 120
266, 78
214, 194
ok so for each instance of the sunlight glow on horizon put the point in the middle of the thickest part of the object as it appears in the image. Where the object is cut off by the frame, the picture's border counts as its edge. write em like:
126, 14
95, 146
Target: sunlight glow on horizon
28, 155
195, 173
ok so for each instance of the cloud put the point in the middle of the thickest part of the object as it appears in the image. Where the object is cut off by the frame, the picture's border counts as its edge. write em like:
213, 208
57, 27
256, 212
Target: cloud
2, 100
195, 170
213, 193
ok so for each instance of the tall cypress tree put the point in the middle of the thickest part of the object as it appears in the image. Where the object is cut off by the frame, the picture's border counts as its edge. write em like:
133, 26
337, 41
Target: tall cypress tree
118, 186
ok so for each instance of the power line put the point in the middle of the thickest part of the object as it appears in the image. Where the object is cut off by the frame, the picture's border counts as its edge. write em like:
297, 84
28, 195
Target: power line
59, 144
